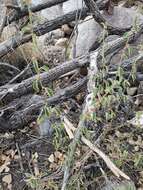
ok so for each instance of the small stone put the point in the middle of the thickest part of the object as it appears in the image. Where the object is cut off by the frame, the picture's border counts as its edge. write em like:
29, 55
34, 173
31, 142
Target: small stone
71, 5
137, 148
51, 158
67, 30
88, 32
131, 91
45, 128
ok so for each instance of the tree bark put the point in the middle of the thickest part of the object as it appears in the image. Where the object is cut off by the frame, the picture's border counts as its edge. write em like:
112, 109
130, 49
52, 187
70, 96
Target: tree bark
20, 118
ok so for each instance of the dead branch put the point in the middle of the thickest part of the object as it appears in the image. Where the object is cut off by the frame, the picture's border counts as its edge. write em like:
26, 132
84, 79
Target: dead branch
20, 74
81, 125
19, 39
119, 43
36, 8
26, 86
92, 6
7, 65
12, 43
24, 11
89, 107
20, 118
70, 129
48, 26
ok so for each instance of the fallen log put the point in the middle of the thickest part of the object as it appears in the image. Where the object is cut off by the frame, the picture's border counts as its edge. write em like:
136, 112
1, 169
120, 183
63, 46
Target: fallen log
26, 86
12, 43
39, 7
118, 44
20, 118
25, 11
48, 26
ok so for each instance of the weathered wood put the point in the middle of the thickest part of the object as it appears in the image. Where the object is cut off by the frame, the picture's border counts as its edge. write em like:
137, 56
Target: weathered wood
19, 118
119, 43
48, 26
19, 39
24, 11
92, 6
36, 8
26, 86
12, 43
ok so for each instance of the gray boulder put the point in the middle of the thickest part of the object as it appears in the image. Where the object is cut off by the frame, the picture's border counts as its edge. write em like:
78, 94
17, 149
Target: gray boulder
88, 32
72, 5
49, 13
124, 17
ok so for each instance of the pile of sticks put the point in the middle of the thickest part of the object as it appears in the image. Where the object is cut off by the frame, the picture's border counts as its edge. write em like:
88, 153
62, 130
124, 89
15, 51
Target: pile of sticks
14, 118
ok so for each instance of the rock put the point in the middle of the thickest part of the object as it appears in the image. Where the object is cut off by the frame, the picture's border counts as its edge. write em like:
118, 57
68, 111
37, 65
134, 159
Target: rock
131, 91
88, 32
137, 120
66, 29
124, 17
49, 38
134, 48
49, 13
36, 2
119, 185
57, 33
53, 55
45, 128
139, 100
52, 12
72, 5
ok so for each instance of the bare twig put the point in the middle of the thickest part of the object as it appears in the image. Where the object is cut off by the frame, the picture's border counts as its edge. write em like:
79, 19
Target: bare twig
117, 172
19, 75
20, 157
10, 66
